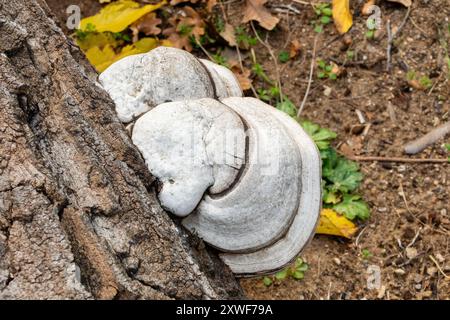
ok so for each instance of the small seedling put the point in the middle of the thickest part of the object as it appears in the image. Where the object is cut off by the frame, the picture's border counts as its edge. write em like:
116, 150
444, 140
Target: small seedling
283, 56
323, 16
366, 254
219, 59
325, 70
259, 71
350, 54
296, 272
423, 82
243, 38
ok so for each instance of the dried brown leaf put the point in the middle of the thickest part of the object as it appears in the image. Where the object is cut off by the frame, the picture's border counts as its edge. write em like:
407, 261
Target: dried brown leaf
229, 35
294, 48
243, 77
148, 25
256, 11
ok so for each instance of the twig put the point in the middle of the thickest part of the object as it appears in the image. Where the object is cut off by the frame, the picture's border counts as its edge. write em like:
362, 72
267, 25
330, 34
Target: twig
415, 238
277, 70
431, 137
359, 236
397, 159
285, 8
439, 267
311, 71
204, 50
389, 45
391, 37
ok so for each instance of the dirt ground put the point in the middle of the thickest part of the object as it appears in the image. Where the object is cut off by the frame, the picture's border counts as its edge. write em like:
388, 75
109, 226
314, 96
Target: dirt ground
407, 235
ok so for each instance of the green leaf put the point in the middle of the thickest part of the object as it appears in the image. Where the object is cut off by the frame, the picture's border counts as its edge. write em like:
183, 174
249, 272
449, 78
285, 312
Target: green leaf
344, 174
327, 12
298, 275
298, 262
332, 76
283, 56
318, 28
366, 253
321, 64
325, 19
370, 34
302, 268
328, 68
287, 106
321, 136
447, 145
281, 275
321, 75
267, 281
353, 207
330, 197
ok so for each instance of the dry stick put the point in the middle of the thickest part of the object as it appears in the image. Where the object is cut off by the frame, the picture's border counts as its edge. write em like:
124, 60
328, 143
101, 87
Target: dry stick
391, 37
431, 137
439, 267
397, 159
277, 70
311, 71
204, 50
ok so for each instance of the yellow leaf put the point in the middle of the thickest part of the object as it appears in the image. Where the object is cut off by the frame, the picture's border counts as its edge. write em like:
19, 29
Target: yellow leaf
342, 16
117, 16
333, 223
103, 58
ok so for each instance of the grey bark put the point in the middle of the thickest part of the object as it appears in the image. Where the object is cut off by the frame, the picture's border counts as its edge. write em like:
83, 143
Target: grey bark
78, 213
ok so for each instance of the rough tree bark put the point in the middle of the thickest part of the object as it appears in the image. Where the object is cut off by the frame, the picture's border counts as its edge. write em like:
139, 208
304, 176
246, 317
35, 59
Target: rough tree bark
78, 213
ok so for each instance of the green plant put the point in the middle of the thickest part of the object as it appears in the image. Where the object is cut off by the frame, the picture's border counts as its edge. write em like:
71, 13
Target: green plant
323, 16
350, 54
340, 176
243, 38
325, 70
425, 82
295, 271
283, 56
366, 254
259, 71
219, 59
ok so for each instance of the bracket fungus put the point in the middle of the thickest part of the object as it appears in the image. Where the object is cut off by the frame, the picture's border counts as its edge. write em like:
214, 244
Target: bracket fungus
241, 174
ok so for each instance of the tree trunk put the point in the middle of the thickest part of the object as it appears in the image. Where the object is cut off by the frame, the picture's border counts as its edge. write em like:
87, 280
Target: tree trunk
78, 213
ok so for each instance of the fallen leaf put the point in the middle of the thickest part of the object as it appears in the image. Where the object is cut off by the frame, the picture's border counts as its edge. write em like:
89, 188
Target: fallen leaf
243, 77
342, 16
117, 16
148, 25
229, 35
185, 24
95, 39
175, 2
294, 49
334, 224
193, 20
102, 58
255, 10
406, 3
